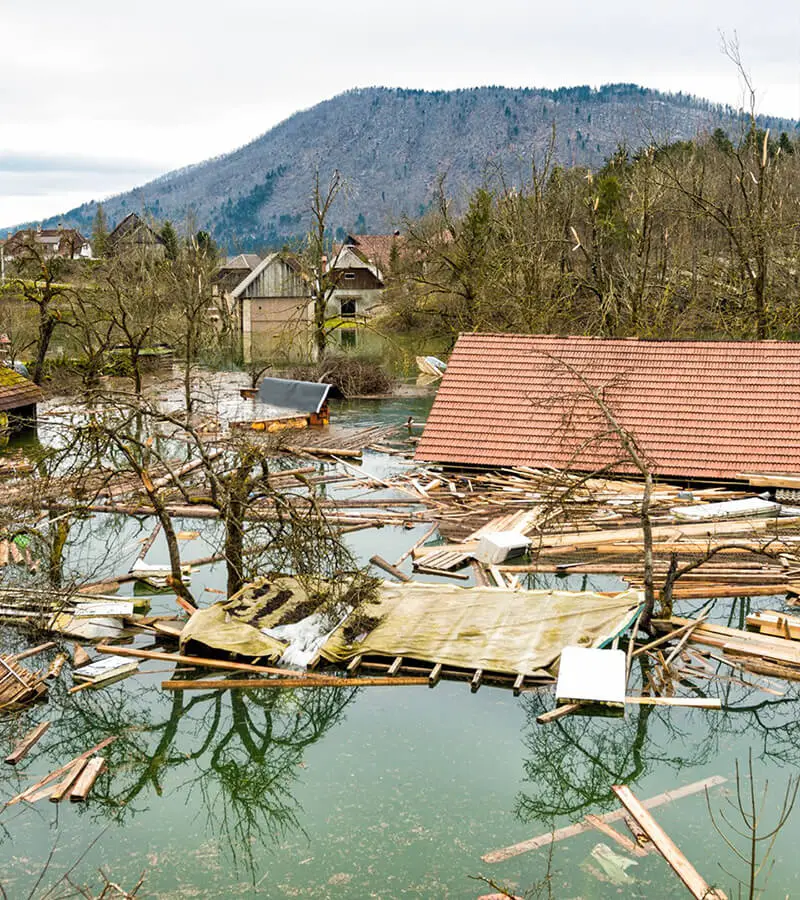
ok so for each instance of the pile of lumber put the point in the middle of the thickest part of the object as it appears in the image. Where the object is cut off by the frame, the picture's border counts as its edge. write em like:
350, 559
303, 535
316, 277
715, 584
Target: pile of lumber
18, 686
589, 525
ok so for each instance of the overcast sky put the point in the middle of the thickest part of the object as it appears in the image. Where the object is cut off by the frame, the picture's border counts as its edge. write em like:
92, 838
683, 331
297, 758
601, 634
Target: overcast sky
98, 97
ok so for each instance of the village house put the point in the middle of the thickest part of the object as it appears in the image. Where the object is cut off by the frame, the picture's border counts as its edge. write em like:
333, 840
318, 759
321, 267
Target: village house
698, 410
66, 243
274, 309
134, 233
359, 265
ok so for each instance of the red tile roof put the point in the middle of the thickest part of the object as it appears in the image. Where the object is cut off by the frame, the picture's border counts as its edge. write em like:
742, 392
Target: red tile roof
698, 409
377, 248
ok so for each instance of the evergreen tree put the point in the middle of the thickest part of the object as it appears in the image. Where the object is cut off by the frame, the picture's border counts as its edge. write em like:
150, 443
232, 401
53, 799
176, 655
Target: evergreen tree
170, 238
100, 233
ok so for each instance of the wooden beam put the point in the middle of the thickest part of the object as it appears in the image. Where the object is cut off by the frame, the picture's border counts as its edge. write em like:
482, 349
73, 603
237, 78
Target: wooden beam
436, 674
84, 781
63, 787
568, 831
623, 840
394, 668
697, 885
257, 683
22, 748
476, 680
381, 563
200, 661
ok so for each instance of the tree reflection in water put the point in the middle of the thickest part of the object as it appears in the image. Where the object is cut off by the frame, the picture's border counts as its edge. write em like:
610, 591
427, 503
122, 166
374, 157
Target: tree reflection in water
240, 750
572, 762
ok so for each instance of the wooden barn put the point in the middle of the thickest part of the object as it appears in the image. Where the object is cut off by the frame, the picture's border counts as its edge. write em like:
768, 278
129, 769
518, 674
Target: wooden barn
698, 410
274, 307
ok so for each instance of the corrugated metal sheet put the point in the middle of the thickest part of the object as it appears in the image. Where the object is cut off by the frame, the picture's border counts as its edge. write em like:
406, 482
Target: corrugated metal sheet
298, 396
699, 409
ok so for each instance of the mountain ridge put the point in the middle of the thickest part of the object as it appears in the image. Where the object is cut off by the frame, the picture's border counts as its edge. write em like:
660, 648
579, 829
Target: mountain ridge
391, 145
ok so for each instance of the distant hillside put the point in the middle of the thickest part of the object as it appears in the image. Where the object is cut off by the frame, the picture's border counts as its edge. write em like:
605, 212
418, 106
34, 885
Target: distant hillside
391, 145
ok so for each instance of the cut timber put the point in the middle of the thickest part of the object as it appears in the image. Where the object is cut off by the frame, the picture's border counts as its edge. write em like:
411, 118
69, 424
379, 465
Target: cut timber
777, 624
394, 668
21, 750
570, 830
666, 847
34, 793
63, 787
436, 674
256, 683
83, 783
201, 661
697, 702
558, 713
745, 643
625, 842
381, 563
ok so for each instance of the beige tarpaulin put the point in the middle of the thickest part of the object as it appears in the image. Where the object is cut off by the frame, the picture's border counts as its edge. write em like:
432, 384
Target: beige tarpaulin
498, 630
235, 625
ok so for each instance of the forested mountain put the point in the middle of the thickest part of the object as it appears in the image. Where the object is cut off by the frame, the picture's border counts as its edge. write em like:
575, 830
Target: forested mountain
391, 145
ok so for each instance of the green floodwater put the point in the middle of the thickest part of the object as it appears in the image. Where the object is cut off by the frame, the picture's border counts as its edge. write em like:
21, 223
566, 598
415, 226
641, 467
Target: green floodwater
376, 792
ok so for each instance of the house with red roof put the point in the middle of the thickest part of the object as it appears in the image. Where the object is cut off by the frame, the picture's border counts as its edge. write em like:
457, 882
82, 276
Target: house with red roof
360, 264
698, 410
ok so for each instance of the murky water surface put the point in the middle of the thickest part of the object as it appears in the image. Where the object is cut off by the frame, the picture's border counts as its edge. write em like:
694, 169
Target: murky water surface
375, 792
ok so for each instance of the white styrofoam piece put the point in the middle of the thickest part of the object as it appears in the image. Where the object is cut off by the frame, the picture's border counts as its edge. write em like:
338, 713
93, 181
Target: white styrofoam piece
109, 608
596, 676
104, 666
496, 546
728, 509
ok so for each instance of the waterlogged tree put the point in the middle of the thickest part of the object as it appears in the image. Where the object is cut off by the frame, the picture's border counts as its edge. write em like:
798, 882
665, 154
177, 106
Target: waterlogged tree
38, 281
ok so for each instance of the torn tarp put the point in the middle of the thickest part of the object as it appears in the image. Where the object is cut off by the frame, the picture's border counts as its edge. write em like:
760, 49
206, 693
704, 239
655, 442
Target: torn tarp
494, 629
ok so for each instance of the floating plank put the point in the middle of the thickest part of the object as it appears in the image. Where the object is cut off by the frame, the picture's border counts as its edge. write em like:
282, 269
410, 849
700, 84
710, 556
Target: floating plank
34, 793
697, 885
694, 702
200, 661
777, 624
381, 563
84, 782
257, 683
63, 787
623, 840
579, 827
22, 748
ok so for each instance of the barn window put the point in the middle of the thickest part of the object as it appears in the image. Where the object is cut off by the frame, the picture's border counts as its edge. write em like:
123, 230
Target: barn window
348, 307
349, 276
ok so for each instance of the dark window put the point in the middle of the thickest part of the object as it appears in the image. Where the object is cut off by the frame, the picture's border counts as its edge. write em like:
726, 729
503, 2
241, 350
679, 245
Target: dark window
349, 306
349, 276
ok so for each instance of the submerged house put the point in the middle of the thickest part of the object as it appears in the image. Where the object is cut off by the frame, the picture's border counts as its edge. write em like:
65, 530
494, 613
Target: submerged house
274, 308
19, 397
359, 266
698, 410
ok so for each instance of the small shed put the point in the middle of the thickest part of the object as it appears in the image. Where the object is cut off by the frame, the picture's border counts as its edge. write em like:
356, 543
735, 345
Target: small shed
281, 403
19, 397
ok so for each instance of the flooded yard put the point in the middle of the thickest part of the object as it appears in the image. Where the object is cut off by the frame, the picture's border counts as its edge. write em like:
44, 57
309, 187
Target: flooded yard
385, 792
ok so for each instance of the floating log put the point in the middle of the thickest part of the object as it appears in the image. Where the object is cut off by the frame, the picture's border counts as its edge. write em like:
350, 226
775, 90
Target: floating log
257, 683
559, 712
32, 651
697, 885
570, 830
21, 750
84, 782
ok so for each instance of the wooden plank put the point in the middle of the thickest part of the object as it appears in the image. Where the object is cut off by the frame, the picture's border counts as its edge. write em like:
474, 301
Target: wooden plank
428, 534
257, 683
381, 563
32, 651
394, 668
476, 680
558, 713
63, 787
625, 842
354, 663
33, 793
518, 683
697, 885
86, 779
568, 831
696, 702
22, 748
200, 661
436, 674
